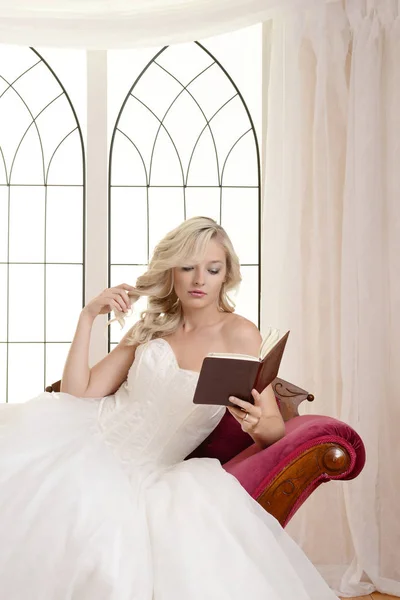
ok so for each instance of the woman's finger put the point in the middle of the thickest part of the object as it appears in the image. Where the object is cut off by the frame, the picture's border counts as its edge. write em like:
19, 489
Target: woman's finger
125, 295
247, 406
237, 412
112, 304
247, 424
123, 300
119, 301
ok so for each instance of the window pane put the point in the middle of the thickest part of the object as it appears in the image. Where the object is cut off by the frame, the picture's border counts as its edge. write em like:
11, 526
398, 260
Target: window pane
37, 78
128, 166
148, 89
168, 164
63, 301
228, 126
3, 303
28, 166
241, 167
25, 371
140, 126
128, 220
216, 80
3, 222
65, 166
203, 201
240, 219
64, 232
3, 372
203, 167
184, 122
55, 123
166, 211
27, 210
247, 299
56, 355
26, 304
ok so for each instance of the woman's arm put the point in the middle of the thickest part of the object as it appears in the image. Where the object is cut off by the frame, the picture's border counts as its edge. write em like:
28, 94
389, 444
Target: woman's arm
109, 373
76, 373
264, 422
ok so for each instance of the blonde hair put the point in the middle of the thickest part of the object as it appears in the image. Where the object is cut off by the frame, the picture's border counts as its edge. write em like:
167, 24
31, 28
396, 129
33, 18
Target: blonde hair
184, 244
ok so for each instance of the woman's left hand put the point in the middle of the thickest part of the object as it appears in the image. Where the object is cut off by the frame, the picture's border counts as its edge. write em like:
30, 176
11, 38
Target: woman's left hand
262, 420
247, 414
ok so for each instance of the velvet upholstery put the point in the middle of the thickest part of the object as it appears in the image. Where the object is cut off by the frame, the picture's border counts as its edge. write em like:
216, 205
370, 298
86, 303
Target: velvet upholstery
226, 441
257, 468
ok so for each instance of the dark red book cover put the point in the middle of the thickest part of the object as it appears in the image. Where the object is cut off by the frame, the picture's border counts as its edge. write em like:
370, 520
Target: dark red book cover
223, 377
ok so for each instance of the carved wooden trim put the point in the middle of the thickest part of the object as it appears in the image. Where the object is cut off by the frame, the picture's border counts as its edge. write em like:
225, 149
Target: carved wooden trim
289, 397
54, 387
279, 497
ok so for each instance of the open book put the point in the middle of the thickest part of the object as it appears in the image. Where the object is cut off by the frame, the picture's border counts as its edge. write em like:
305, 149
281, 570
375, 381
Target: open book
223, 375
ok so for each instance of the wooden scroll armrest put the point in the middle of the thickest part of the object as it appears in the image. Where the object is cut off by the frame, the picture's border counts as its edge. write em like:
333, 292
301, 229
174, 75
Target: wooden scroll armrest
287, 492
289, 397
54, 387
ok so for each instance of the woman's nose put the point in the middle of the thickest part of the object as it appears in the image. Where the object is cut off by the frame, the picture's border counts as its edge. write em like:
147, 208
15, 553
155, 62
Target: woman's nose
199, 278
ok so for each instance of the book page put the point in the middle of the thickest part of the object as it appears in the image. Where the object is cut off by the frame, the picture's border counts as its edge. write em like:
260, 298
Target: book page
269, 341
227, 355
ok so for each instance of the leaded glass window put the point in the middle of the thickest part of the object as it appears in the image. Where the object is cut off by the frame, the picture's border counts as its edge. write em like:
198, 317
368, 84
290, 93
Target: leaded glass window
41, 223
184, 144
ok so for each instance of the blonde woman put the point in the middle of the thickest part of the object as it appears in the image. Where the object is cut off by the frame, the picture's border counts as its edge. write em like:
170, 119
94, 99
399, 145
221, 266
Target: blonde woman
96, 499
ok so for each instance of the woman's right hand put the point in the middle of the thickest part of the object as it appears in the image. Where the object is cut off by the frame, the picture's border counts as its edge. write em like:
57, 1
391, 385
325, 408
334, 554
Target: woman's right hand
110, 299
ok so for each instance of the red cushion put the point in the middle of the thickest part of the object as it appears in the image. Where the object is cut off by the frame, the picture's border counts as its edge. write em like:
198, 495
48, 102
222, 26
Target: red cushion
225, 442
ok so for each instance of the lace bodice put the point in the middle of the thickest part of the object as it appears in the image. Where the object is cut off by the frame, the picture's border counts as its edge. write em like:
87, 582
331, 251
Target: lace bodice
151, 418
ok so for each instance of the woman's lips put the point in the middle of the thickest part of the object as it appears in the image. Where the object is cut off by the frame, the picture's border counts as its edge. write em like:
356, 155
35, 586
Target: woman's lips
197, 294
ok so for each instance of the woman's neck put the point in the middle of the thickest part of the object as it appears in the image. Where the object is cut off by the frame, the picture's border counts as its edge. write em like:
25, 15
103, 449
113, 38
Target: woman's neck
195, 322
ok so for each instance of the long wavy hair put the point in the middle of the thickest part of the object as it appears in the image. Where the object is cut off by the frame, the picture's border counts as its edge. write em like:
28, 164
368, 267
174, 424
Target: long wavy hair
183, 245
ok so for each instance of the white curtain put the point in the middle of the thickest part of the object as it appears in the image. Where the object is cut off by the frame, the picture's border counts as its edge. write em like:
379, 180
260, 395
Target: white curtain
331, 264
102, 24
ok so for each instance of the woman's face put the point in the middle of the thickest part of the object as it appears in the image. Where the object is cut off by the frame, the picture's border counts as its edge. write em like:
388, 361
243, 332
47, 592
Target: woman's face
206, 277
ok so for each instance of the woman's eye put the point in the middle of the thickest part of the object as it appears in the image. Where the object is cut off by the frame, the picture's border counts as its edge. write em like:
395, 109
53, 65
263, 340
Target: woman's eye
213, 272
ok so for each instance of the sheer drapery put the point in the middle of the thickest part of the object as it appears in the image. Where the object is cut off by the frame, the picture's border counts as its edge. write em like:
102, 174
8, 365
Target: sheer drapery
101, 24
331, 264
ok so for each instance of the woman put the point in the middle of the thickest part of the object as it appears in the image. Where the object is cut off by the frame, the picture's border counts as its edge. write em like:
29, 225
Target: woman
96, 500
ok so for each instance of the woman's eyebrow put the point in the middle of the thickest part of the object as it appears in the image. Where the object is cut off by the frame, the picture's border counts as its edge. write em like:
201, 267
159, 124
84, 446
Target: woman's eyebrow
216, 261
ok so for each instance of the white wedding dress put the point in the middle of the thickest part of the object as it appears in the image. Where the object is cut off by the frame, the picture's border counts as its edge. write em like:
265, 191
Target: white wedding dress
97, 502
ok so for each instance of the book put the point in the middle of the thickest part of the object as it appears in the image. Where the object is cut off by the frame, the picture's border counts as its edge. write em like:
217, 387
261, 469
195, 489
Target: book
224, 374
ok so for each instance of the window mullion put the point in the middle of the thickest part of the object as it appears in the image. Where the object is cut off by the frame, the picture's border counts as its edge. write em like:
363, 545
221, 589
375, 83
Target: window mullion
96, 276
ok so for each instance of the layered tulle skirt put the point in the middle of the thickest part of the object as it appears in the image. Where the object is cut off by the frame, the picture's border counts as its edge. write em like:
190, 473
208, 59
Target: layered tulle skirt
76, 524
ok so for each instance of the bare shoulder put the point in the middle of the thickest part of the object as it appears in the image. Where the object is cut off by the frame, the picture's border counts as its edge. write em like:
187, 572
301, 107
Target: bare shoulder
241, 335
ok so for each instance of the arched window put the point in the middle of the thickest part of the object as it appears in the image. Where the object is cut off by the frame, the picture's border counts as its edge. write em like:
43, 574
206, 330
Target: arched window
184, 144
41, 223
